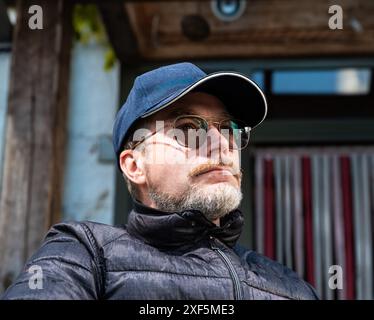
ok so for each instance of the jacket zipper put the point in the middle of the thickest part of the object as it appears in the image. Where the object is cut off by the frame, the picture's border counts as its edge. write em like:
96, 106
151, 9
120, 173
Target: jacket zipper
233, 274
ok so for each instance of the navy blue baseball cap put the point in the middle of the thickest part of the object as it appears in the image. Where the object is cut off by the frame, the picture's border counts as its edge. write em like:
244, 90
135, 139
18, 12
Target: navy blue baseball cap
159, 88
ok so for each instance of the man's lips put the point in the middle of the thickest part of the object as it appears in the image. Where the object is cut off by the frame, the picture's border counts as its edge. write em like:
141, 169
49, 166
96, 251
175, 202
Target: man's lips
222, 171
217, 171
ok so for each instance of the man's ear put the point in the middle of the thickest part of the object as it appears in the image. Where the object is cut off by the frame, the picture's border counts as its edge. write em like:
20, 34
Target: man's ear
131, 167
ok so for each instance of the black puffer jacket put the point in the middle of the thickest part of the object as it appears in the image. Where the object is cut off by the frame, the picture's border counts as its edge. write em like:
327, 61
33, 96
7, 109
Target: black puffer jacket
156, 256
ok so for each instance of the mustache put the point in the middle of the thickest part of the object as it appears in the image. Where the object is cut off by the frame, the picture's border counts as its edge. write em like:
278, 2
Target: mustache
205, 167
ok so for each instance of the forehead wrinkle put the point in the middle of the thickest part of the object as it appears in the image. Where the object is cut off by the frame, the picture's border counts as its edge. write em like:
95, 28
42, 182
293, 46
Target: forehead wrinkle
181, 111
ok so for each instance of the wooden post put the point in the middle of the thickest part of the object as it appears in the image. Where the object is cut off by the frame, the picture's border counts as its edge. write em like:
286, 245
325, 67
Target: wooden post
35, 134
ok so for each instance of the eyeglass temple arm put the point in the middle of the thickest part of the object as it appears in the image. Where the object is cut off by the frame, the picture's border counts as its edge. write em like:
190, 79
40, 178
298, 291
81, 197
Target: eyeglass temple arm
133, 146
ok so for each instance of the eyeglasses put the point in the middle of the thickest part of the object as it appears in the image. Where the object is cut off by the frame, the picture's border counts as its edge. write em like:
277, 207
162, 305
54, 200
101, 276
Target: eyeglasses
191, 131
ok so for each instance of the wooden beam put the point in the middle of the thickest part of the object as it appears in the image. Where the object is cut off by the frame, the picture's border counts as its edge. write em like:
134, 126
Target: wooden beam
119, 31
267, 29
35, 135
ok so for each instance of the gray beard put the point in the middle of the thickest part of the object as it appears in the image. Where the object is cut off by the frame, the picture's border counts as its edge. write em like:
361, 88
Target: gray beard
214, 201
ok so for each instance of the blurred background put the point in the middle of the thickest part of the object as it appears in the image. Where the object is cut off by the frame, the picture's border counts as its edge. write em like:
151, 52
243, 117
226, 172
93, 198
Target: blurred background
309, 171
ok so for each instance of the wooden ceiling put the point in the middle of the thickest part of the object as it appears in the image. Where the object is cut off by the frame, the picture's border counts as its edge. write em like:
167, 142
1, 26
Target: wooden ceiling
267, 29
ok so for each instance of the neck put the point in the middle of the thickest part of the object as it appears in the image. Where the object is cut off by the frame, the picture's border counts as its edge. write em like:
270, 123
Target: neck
216, 222
147, 202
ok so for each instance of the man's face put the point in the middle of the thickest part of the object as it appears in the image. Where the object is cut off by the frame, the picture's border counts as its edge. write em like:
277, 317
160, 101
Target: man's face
179, 177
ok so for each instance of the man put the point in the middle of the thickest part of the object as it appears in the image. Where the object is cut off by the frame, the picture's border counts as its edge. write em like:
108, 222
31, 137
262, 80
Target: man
177, 140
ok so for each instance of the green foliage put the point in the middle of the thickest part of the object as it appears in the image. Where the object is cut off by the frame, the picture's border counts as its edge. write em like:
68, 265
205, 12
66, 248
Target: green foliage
110, 59
88, 27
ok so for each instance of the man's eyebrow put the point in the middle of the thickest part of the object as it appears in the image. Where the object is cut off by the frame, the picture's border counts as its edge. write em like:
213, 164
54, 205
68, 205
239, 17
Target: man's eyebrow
179, 112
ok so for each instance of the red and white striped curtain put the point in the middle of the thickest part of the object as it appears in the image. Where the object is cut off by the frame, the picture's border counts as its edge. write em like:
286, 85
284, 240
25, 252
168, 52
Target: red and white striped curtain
314, 208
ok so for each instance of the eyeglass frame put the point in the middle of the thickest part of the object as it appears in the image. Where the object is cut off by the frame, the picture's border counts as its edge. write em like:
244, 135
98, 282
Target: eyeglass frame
137, 143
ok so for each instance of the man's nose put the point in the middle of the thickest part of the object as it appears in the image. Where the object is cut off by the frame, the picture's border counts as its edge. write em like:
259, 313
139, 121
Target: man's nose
216, 143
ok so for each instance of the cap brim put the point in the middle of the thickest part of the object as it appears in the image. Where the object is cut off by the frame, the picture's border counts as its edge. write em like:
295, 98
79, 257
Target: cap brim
241, 96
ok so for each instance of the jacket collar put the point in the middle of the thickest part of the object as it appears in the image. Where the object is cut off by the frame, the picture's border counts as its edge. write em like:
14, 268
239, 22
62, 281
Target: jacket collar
180, 229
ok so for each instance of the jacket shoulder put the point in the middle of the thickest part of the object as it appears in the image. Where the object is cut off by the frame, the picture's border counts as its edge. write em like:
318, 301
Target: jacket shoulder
98, 234
276, 277
70, 262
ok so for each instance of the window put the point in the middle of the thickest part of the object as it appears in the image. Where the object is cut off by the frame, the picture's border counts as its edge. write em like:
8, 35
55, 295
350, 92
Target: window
340, 81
